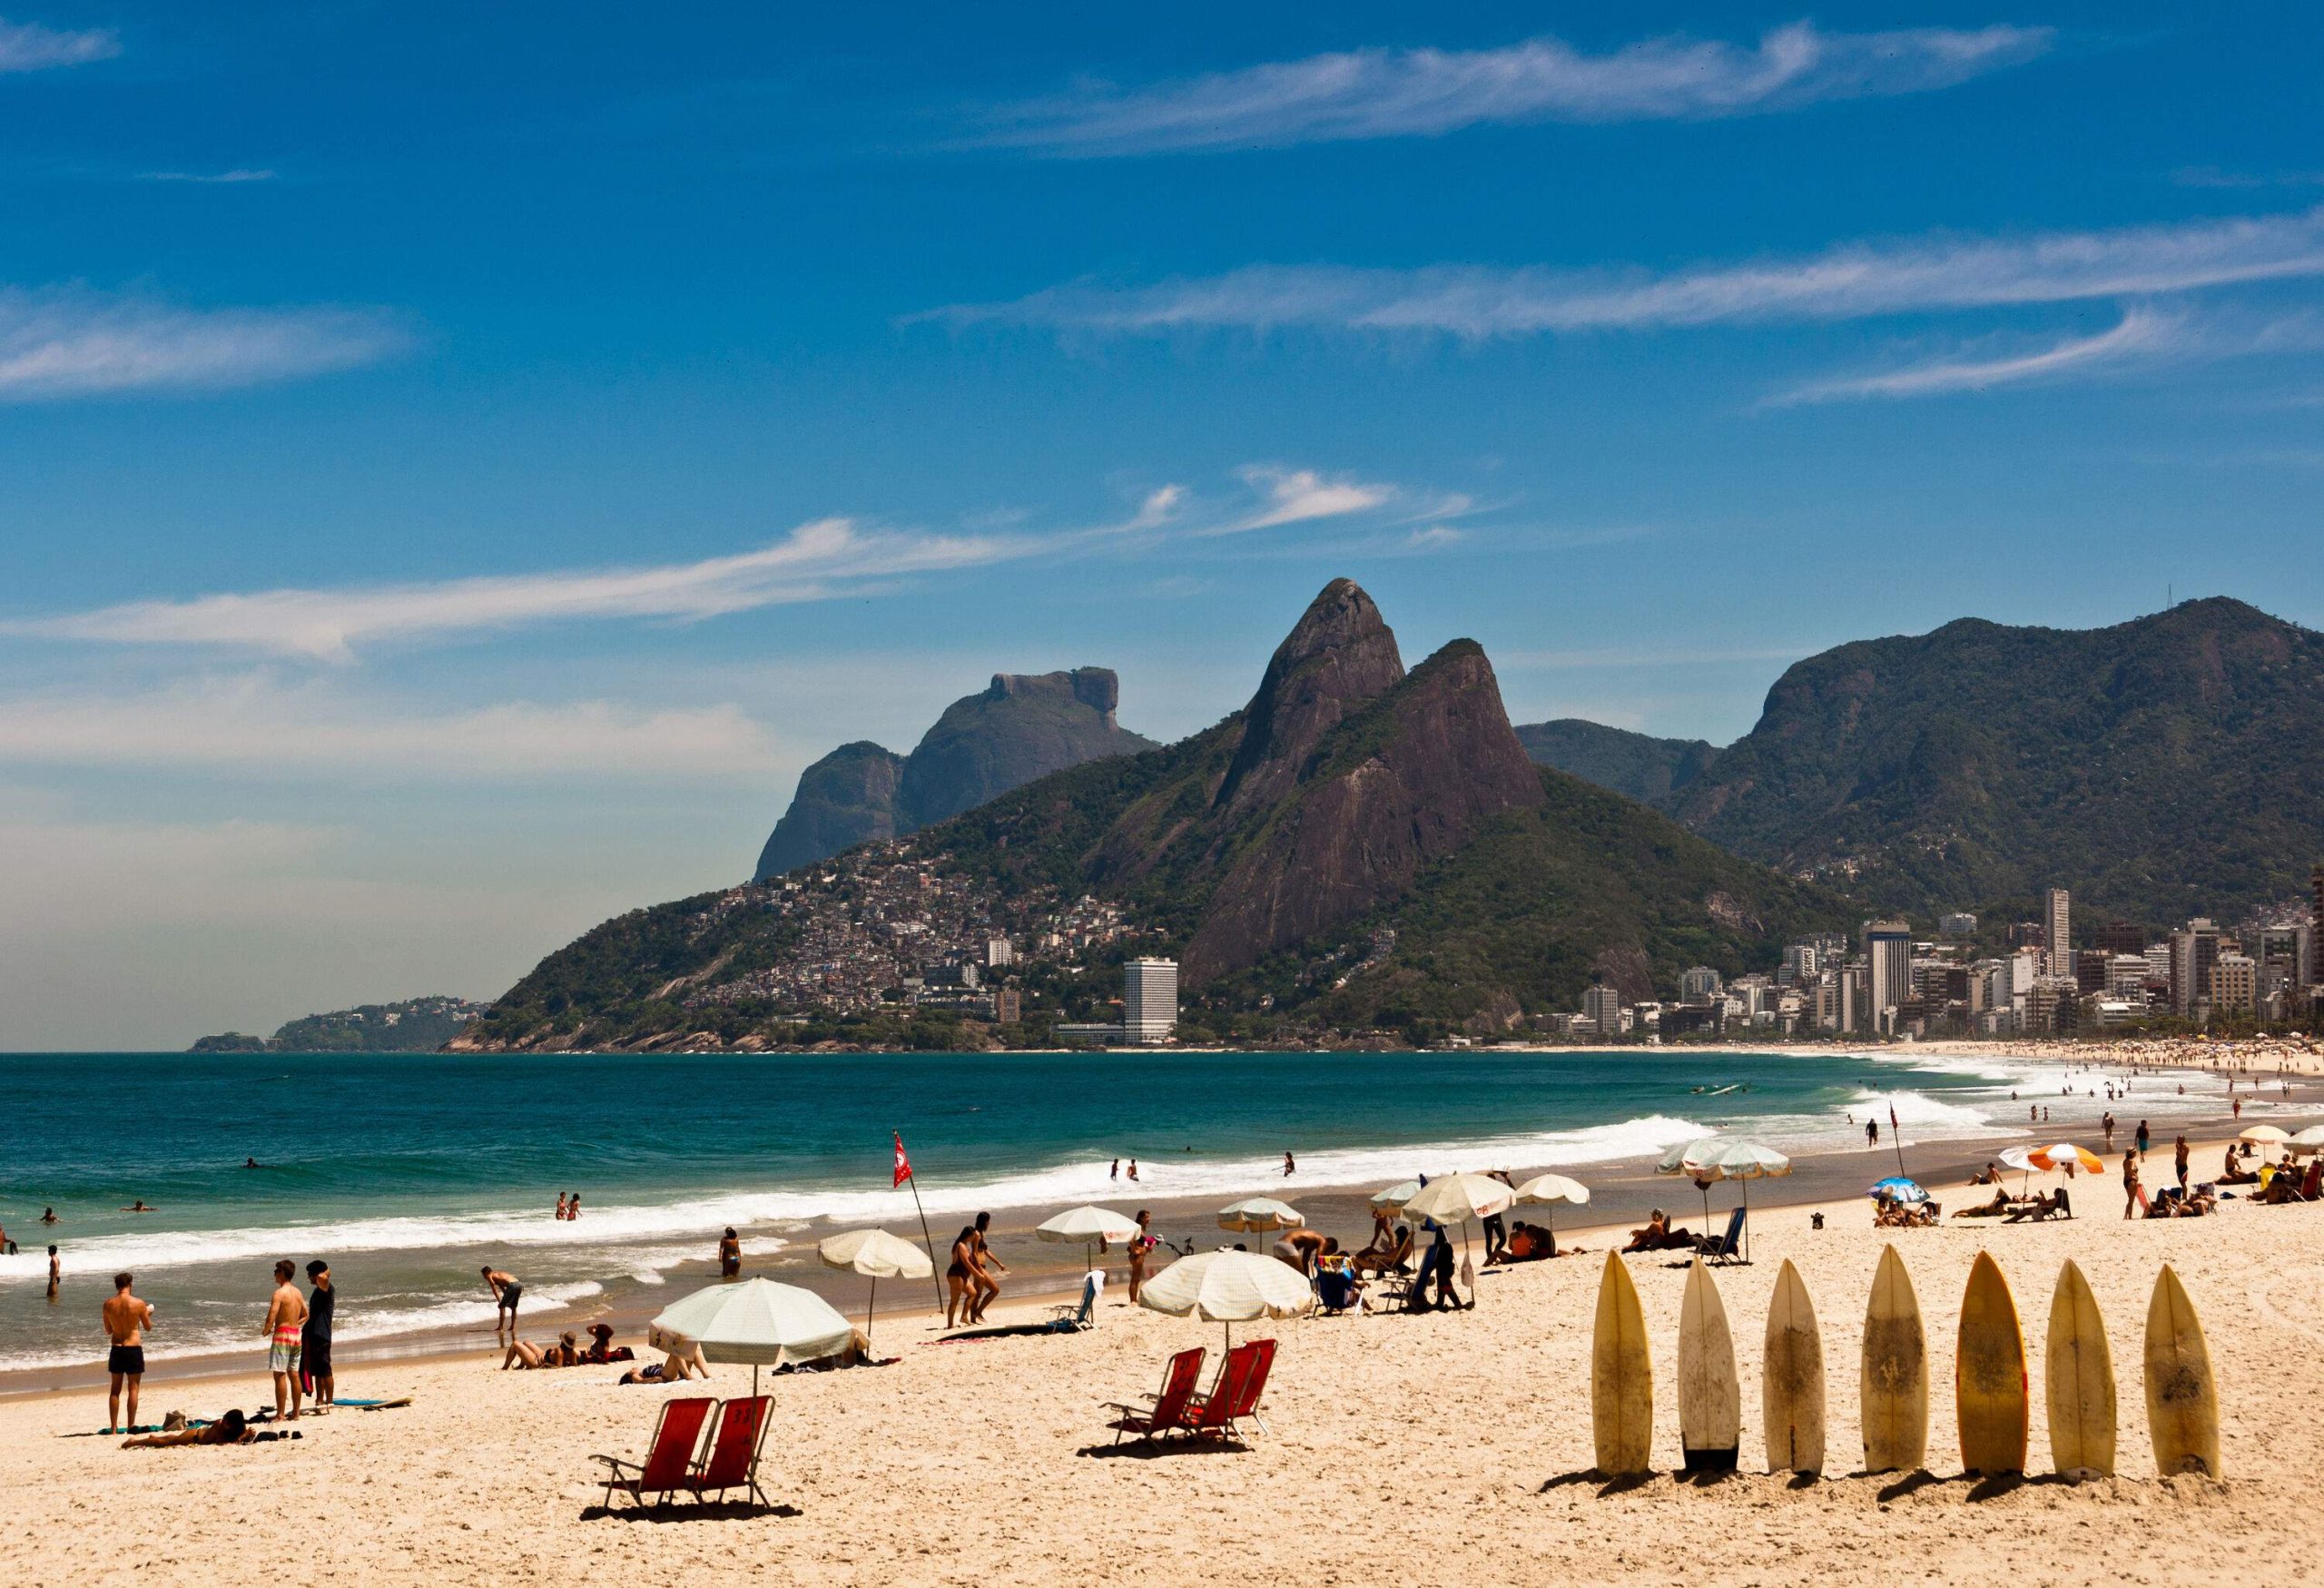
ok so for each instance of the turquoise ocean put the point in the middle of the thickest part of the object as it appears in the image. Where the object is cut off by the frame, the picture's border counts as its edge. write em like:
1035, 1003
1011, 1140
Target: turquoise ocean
410, 1171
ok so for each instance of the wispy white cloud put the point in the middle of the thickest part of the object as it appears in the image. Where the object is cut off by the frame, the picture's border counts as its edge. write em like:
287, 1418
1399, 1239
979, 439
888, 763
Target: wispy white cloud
1854, 281
70, 342
2143, 336
824, 561
27, 46
238, 174
251, 724
1381, 94
813, 562
1299, 495
2211, 177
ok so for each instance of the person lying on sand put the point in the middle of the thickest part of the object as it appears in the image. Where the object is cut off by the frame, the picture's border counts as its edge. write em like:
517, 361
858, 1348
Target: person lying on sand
230, 1429
1659, 1236
671, 1370
565, 1352
2002, 1203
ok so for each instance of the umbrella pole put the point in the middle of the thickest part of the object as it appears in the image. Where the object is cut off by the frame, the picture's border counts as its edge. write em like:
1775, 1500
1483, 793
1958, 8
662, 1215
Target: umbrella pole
868, 1307
1745, 1187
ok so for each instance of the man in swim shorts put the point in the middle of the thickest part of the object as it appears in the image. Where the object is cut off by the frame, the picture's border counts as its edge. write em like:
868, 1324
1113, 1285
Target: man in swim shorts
505, 1294
286, 1315
126, 1320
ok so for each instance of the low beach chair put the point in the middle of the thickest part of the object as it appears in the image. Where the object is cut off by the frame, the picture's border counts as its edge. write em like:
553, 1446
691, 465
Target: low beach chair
669, 1459
1242, 1379
1081, 1313
732, 1461
1336, 1291
1168, 1409
1727, 1247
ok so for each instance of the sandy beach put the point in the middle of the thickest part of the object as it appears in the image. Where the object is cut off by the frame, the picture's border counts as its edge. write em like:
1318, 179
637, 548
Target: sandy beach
1439, 1447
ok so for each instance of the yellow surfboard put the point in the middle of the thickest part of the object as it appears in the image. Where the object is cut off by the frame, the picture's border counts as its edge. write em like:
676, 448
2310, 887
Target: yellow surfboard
2181, 1399
1710, 1402
1621, 1376
1894, 1384
1791, 1388
1989, 1375
2078, 1380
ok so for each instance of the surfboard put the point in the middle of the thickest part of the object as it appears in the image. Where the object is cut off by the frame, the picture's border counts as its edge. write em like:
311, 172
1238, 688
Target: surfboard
2181, 1399
1893, 1386
1791, 1388
2078, 1380
1710, 1402
1989, 1387
1621, 1376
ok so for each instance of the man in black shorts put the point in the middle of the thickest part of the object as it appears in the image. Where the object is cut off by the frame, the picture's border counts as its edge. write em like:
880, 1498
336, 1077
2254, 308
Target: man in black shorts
314, 1336
506, 1293
126, 1320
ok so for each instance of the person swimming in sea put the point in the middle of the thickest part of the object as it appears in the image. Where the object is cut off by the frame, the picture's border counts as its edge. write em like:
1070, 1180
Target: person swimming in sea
138, 1206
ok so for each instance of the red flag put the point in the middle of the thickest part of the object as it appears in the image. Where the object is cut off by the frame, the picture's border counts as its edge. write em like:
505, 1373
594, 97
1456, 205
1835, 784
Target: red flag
1891, 1125
903, 1164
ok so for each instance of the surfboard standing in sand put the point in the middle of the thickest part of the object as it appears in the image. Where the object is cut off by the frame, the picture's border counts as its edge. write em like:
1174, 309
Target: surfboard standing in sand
1989, 1375
2181, 1399
2078, 1380
1791, 1383
1893, 1386
1710, 1402
1621, 1376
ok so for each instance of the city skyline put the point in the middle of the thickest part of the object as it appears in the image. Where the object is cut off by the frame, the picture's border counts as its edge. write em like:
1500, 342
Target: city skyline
461, 468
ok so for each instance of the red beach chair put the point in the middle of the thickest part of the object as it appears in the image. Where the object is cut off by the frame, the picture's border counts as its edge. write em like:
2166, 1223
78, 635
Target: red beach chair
1169, 1408
733, 1459
669, 1460
1242, 1379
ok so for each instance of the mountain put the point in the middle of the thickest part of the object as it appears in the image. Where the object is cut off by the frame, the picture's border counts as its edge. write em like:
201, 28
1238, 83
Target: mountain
1021, 727
2159, 768
412, 1025
1358, 847
1645, 768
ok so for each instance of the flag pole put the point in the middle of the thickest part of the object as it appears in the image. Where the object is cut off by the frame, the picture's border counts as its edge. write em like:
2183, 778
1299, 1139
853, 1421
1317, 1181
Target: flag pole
912, 1176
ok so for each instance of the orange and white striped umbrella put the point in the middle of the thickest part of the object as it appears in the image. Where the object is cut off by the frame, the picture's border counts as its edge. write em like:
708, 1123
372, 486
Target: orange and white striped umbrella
2066, 1155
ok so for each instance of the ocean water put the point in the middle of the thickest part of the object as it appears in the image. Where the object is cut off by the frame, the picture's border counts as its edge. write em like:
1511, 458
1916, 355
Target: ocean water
410, 1171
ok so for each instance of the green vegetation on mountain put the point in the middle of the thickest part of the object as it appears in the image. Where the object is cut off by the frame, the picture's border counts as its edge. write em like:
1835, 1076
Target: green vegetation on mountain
414, 1025
2160, 768
1645, 768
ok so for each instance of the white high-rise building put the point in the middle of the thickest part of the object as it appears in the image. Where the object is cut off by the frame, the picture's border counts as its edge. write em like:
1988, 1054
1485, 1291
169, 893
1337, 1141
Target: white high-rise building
1698, 985
2057, 929
1888, 965
999, 951
1603, 1006
1149, 1001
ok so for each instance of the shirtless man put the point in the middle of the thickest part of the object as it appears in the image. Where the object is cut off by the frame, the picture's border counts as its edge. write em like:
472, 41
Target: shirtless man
1301, 1248
979, 1274
286, 1318
506, 1291
126, 1320
56, 1273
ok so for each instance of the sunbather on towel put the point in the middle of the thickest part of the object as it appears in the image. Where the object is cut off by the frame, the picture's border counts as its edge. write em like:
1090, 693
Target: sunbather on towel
2002, 1203
670, 1370
565, 1352
1659, 1236
230, 1429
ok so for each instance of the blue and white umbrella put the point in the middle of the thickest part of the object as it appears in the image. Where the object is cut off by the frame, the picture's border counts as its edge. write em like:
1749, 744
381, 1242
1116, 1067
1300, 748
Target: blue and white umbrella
1897, 1189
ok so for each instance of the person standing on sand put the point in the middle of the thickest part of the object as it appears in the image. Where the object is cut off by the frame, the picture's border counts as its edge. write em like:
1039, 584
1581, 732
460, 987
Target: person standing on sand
506, 1293
286, 1318
988, 1287
2130, 1184
314, 1340
959, 1274
730, 1254
1140, 1245
126, 1320
2178, 1160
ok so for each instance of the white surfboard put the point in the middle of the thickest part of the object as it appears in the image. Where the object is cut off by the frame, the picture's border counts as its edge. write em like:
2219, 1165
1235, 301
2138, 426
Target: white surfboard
1710, 1402
1621, 1376
1791, 1387
1893, 1388
2078, 1380
2181, 1399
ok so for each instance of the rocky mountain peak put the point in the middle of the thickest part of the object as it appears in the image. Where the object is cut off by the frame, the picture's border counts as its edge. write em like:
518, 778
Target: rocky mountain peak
1339, 657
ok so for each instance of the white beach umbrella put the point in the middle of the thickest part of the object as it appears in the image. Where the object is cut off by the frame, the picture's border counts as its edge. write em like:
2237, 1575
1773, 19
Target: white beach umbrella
1674, 1162
757, 1321
1394, 1198
1547, 1188
1457, 1198
1228, 1287
1259, 1214
1733, 1159
1090, 1226
2308, 1140
877, 1255
2268, 1133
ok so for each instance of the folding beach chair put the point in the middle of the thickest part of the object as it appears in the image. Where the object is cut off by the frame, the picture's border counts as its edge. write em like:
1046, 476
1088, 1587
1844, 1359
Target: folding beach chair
1336, 1290
669, 1460
1727, 1247
1234, 1395
1168, 1409
732, 1461
1081, 1313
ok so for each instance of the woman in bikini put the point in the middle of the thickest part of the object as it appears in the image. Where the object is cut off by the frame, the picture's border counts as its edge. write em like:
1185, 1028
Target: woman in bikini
956, 1276
1140, 1245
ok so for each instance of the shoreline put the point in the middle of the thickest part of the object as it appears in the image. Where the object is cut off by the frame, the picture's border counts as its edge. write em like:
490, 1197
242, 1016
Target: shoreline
1623, 1192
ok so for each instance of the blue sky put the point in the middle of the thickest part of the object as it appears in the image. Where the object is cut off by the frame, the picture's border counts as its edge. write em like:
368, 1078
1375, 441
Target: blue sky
456, 469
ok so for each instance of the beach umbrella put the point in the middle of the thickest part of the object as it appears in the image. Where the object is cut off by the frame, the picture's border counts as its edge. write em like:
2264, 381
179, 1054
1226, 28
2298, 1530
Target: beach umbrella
757, 1321
876, 1254
1547, 1188
1744, 1161
1457, 1198
2066, 1155
1897, 1189
1674, 1162
1394, 1198
1258, 1214
1228, 1287
2266, 1135
1090, 1226
2308, 1140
